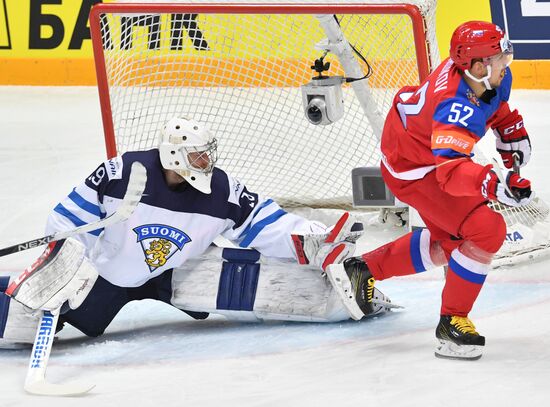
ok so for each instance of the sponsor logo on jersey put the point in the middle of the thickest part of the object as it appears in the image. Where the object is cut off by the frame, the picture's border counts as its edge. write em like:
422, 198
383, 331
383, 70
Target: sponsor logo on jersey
112, 165
453, 140
159, 243
237, 186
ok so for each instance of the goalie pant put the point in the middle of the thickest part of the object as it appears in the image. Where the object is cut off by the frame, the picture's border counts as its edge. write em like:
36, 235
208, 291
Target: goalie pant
237, 283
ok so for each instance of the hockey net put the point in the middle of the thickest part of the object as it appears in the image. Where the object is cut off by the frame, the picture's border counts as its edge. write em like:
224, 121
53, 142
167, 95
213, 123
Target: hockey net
238, 67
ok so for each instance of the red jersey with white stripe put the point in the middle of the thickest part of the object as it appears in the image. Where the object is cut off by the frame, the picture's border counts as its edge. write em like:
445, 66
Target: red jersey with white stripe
434, 126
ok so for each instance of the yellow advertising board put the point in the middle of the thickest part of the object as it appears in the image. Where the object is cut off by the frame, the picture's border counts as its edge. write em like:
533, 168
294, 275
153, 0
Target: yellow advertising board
5, 41
47, 42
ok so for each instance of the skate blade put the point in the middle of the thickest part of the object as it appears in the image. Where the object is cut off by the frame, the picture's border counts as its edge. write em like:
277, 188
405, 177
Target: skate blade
450, 350
342, 285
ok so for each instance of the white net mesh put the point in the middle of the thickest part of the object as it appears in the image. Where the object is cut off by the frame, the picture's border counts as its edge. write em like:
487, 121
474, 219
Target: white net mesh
241, 74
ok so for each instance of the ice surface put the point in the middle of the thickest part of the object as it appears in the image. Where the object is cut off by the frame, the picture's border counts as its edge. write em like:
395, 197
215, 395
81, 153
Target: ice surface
153, 354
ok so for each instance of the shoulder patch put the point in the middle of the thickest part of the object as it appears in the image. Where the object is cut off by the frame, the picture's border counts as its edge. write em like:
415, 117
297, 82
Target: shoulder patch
236, 188
108, 170
114, 168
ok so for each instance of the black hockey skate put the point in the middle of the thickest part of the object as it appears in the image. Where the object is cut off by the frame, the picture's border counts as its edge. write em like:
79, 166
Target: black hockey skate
355, 285
458, 339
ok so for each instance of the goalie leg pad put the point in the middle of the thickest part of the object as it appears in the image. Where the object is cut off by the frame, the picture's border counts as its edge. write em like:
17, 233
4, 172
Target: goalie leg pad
284, 290
17, 323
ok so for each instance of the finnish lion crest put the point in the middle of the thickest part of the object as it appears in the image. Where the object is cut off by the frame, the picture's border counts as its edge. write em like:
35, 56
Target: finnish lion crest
157, 252
159, 243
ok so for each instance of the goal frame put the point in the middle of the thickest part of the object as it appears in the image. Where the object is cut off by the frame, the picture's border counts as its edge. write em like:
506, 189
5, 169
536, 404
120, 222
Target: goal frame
410, 10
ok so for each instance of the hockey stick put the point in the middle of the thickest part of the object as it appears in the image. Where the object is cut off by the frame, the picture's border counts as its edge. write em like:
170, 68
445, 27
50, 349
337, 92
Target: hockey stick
500, 176
136, 186
35, 381
515, 157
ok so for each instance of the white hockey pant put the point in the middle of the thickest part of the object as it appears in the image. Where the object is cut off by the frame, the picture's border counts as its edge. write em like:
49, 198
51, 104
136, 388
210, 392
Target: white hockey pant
243, 285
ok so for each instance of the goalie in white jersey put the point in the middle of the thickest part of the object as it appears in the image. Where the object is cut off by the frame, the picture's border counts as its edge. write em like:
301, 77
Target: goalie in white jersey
165, 251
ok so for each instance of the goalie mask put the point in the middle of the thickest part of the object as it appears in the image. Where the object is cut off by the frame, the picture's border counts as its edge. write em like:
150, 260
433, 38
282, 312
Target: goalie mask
188, 148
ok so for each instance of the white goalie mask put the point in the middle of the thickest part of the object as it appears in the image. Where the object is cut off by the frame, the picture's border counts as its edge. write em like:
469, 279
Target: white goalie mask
188, 148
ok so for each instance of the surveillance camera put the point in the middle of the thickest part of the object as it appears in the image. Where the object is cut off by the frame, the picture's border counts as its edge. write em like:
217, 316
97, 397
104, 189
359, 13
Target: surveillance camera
322, 99
316, 110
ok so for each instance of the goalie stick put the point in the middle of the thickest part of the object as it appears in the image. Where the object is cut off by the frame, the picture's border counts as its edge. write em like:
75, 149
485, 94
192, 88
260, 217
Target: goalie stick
35, 381
136, 186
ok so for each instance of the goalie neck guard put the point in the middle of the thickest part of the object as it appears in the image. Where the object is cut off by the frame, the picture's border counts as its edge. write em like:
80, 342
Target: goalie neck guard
188, 148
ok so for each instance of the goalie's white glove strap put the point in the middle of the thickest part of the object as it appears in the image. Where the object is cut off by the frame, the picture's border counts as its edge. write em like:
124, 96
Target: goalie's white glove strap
62, 273
332, 247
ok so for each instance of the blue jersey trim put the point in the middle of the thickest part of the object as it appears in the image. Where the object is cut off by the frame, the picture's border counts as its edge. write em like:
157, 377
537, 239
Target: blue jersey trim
416, 256
258, 227
74, 219
266, 203
84, 204
465, 273
448, 152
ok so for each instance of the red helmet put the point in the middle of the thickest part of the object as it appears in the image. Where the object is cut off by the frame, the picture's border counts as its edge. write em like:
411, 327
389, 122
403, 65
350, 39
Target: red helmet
477, 39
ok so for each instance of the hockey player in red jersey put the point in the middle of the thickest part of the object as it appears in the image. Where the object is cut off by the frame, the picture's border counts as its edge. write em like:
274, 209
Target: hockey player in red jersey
426, 146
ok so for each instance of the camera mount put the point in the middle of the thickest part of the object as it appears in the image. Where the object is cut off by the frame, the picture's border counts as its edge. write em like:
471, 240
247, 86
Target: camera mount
320, 66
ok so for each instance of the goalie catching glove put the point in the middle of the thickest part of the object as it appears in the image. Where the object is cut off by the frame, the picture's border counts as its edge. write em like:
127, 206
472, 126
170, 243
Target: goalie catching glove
61, 274
332, 247
493, 189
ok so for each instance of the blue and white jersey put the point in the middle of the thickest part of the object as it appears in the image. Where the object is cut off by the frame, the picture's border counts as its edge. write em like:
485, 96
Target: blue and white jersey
170, 226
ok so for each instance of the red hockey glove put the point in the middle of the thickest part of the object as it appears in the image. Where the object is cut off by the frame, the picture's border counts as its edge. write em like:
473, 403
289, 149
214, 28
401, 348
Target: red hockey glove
492, 189
513, 138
